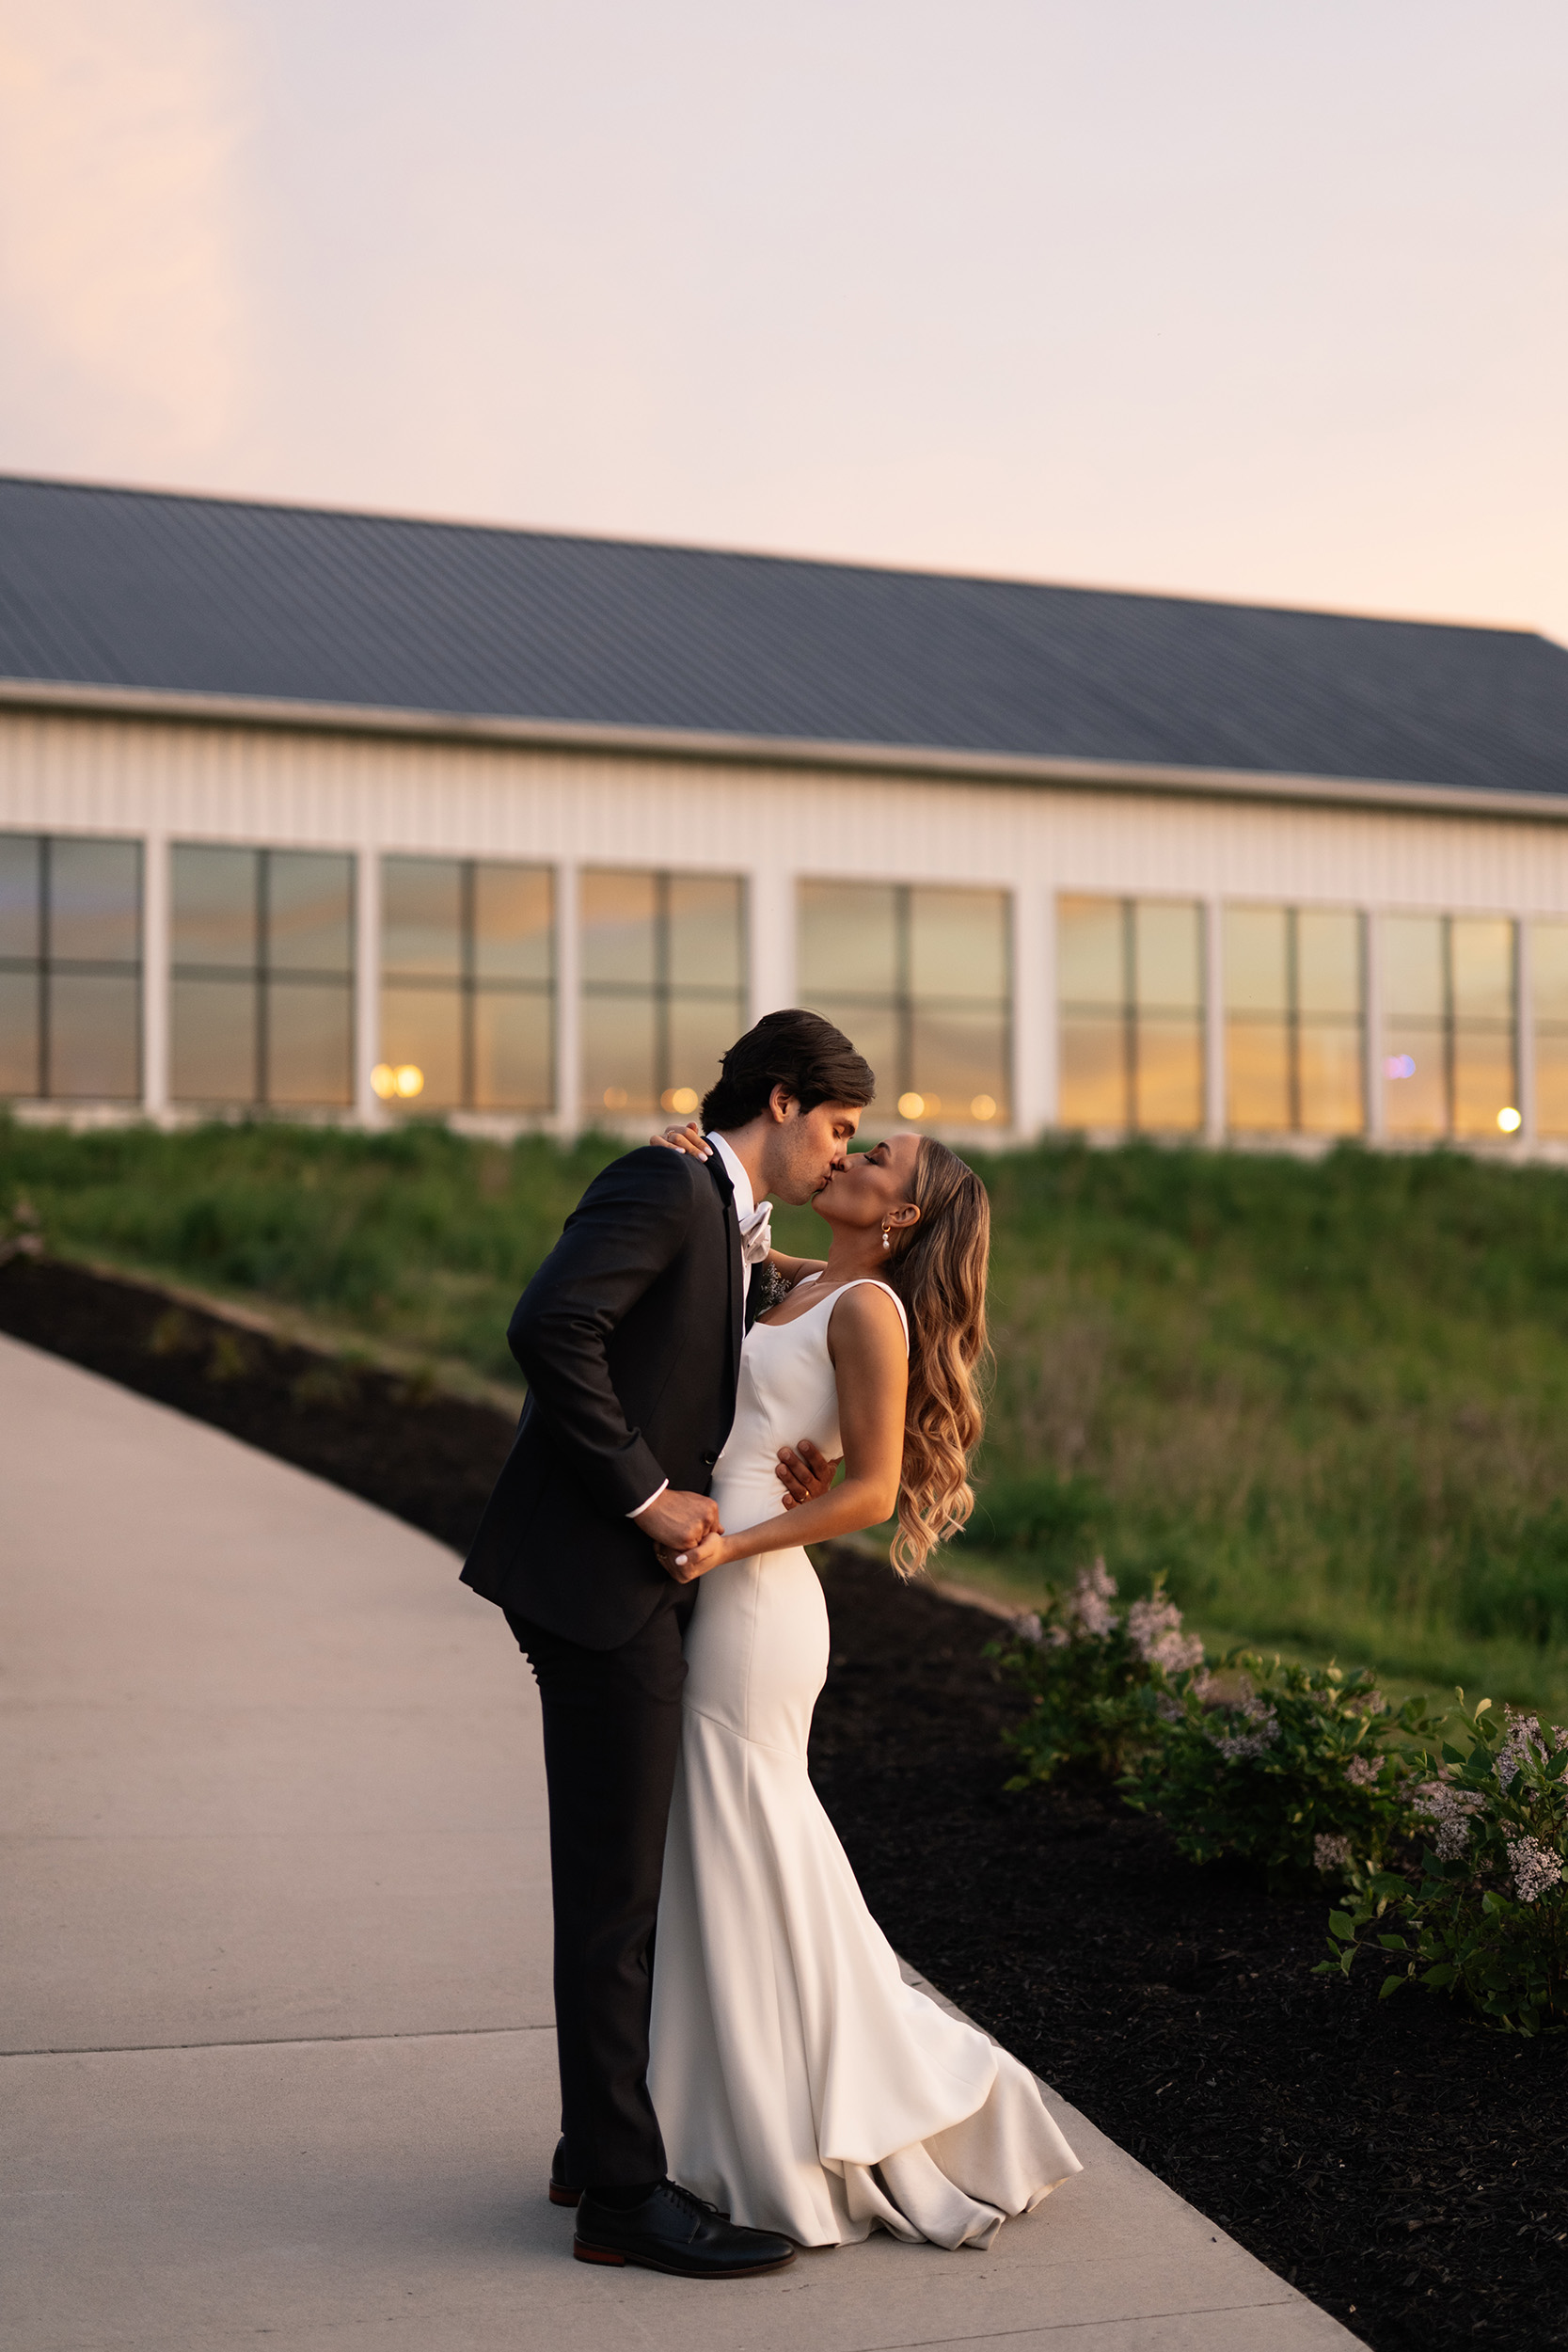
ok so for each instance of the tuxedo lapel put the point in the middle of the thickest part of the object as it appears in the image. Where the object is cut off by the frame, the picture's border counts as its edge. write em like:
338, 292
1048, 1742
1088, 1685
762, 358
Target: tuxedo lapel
736, 1267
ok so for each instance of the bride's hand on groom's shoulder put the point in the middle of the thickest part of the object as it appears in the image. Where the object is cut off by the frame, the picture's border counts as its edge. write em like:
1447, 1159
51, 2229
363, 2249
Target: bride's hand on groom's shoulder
688, 1138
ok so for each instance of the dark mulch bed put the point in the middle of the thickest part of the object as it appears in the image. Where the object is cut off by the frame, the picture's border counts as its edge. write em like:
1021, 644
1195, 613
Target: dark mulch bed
1406, 2170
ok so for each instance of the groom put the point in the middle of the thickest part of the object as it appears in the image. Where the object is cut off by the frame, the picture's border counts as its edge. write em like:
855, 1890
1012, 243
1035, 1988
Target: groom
630, 1336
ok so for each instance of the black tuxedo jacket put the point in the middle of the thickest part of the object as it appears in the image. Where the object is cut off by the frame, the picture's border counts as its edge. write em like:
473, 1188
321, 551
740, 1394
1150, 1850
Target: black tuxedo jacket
629, 1337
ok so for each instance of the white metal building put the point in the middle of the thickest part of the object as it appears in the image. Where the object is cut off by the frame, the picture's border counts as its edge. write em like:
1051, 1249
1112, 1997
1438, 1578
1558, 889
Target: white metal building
348, 815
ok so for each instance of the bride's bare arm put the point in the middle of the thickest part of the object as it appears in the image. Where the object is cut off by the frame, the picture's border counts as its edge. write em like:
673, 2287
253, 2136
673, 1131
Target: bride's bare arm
688, 1139
865, 1341
794, 1269
691, 1139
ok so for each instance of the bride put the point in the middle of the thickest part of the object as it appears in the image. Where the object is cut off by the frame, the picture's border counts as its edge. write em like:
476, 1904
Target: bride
802, 2086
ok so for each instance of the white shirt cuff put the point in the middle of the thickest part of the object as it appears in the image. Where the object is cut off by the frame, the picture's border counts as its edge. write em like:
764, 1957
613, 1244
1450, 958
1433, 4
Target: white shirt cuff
649, 1505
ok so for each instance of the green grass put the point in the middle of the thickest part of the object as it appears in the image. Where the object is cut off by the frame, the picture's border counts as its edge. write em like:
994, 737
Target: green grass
416, 1239
1326, 1400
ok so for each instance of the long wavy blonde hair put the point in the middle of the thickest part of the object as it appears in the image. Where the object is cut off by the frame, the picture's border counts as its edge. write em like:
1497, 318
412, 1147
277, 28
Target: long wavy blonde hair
939, 1270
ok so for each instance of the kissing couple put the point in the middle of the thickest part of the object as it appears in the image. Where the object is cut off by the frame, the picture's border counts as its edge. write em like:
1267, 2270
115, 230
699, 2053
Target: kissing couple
768, 2080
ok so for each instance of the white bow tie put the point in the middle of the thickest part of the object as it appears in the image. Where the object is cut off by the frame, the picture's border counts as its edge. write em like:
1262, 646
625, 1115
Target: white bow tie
756, 1234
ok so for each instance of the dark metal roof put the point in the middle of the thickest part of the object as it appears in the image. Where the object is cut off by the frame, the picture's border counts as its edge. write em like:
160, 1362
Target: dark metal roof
135, 589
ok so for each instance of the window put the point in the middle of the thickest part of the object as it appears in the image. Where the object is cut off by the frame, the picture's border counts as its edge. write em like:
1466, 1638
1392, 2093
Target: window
1548, 948
69, 968
1130, 984
663, 987
467, 985
1449, 1062
262, 1006
1294, 1034
922, 980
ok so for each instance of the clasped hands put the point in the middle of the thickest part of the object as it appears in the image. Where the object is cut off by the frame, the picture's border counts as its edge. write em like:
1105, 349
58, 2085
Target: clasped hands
685, 1530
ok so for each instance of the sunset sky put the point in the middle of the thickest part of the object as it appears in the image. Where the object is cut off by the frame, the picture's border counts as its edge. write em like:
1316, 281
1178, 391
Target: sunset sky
1219, 296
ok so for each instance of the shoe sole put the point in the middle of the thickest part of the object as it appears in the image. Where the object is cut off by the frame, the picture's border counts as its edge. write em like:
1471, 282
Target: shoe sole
563, 2196
677, 2270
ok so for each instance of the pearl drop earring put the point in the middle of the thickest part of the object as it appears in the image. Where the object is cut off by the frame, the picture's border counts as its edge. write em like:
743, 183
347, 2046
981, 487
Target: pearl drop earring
887, 1238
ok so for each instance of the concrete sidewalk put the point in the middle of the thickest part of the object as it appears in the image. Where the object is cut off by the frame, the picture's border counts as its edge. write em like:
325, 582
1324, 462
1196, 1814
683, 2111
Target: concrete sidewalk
274, 1994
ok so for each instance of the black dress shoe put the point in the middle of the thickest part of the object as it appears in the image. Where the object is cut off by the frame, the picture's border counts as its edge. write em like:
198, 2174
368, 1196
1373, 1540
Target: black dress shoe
561, 2192
674, 2231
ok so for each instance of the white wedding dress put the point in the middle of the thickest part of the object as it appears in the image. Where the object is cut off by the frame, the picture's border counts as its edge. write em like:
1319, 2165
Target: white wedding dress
799, 2083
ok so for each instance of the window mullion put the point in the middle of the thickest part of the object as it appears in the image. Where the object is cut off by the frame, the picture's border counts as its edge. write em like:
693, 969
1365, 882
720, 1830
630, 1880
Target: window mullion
262, 974
1129, 1012
662, 988
467, 981
1450, 1043
45, 1073
903, 987
1516, 1080
1292, 1020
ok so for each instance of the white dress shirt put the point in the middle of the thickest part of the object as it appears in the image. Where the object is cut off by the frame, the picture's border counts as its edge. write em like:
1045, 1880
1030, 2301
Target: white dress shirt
745, 1202
750, 1216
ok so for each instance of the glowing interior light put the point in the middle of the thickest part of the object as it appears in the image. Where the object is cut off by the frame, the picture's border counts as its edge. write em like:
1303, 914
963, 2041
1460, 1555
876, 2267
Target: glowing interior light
984, 1106
409, 1079
911, 1106
682, 1099
385, 1080
615, 1098
1509, 1120
1398, 1066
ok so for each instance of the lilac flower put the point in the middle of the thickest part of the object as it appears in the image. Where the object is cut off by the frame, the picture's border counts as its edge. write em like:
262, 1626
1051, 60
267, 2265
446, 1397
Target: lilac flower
1148, 1620
1090, 1603
1155, 1629
1524, 1739
1534, 1866
1030, 1630
1362, 1770
1177, 1653
1330, 1853
1452, 1810
1240, 1746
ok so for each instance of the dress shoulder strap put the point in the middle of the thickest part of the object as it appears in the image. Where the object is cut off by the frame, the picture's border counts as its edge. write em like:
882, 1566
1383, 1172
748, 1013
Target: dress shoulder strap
869, 1282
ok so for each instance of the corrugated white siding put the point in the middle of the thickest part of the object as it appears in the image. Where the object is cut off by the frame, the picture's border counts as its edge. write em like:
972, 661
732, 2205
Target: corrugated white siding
166, 782
195, 782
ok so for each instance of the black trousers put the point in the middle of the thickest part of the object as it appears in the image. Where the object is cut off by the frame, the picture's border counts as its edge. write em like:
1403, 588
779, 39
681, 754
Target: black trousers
612, 1724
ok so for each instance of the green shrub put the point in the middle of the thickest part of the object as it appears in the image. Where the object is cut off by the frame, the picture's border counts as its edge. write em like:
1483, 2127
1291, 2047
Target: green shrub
1292, 1769
20, 1231
1094, 1678
1486, 1920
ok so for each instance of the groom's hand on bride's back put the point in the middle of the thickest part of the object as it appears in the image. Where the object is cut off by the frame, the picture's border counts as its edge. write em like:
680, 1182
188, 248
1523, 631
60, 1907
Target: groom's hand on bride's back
678, 1519
804, 1472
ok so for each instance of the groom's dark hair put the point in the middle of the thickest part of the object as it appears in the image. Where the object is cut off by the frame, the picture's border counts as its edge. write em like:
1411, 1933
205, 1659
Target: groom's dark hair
797, 1050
